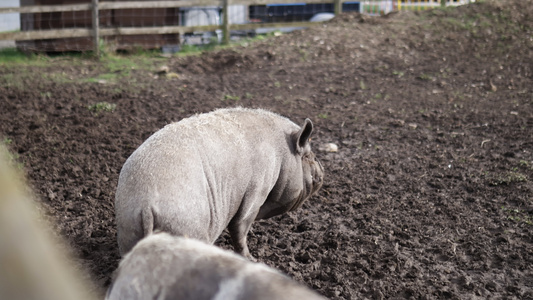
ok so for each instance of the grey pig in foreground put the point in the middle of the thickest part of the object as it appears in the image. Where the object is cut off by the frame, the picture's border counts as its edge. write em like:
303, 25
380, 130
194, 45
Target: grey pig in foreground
167, 267
210, 171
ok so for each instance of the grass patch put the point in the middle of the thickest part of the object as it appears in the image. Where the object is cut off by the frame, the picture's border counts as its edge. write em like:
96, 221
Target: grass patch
102, 78
121, 66
46, 95
125, 63
304, 55
398, 73
230, 97
187, 49
7, 141
196, 49
507, 178
102, 107
58, 77
21, 69
526, 164
518, 215
17, 79
9, 80
425, 76
12, 56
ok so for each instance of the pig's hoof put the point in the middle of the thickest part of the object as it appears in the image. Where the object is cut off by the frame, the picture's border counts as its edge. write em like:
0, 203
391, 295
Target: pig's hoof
250, 258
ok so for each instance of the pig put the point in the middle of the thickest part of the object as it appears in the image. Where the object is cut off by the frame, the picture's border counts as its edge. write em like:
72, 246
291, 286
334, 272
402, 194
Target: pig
163, 267
212, 171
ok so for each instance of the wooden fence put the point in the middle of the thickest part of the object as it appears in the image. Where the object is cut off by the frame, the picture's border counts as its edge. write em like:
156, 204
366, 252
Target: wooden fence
97, 33
96, 7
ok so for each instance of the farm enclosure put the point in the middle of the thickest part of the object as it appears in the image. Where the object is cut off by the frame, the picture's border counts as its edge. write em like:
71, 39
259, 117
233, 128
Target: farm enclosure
429, 196
83, 25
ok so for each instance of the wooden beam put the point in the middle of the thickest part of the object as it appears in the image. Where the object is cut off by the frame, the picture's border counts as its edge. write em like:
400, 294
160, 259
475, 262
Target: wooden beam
142, 4
337, 10
272, 25
225, 22
265, 2
46, 34
158, 4
70, 33
156, 30
45, 8
96, 28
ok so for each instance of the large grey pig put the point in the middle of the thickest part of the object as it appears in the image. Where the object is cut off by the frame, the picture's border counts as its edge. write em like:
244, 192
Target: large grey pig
221, 169
167, 267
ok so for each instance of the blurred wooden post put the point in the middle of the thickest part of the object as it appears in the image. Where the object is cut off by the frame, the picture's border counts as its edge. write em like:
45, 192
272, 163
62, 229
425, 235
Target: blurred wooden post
225, 22
443, 3
337, 7
96, 28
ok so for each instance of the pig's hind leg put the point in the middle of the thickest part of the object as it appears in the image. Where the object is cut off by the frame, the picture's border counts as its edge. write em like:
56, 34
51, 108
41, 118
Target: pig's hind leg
238, 229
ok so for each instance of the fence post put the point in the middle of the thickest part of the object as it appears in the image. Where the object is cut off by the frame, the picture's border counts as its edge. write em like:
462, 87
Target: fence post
96, 28
225, 22
337, 7
443, 3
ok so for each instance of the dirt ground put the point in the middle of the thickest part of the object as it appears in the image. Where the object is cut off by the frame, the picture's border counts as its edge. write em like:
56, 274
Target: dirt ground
429, 195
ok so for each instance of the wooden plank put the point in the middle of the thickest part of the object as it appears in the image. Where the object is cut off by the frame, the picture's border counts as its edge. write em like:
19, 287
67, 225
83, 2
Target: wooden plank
70, 33
45, 8
196, 3
190, 29
225, 23
338, 7
265, 2
156, 30
158, 4
251, 26
145, 4
96, 28
46, 34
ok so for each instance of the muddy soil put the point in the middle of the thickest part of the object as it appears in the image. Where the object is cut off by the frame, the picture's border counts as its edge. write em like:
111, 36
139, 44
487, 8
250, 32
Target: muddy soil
429, 195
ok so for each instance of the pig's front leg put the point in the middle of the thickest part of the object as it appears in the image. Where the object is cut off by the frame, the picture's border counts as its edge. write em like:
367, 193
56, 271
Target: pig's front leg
238, 229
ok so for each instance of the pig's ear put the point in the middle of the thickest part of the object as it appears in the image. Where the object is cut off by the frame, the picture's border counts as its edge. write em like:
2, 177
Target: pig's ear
302, 136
